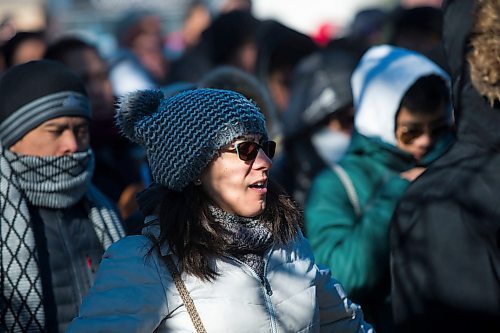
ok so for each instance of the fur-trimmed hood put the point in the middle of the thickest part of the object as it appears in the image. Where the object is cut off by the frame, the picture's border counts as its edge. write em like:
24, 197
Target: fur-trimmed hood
484, 58
472, 44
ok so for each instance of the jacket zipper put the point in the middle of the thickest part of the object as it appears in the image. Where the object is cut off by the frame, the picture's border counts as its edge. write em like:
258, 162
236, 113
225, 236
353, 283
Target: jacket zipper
266, 287
66, 247
269, 293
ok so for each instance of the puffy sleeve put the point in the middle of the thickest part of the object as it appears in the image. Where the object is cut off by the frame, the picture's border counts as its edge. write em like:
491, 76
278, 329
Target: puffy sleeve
128, 294
337, 313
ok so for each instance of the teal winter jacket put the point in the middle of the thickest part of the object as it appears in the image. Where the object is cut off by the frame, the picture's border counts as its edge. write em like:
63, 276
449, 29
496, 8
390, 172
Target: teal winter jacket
356, 248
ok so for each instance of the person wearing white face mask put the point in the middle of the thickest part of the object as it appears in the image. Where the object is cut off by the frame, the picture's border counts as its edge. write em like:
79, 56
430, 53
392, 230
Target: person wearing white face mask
332, 140
318, 122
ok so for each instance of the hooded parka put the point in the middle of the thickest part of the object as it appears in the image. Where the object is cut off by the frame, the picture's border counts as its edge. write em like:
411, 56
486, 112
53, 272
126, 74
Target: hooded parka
445, 235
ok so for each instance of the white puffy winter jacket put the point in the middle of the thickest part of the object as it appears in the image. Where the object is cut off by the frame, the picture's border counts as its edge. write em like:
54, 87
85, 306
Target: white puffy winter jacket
134, 292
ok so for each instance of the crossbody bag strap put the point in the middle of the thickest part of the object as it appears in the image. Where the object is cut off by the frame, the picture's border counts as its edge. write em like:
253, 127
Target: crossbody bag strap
349, 188
188, 302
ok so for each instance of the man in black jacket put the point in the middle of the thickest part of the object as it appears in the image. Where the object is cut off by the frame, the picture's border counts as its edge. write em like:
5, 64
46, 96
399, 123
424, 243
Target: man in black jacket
54, 224
445, 235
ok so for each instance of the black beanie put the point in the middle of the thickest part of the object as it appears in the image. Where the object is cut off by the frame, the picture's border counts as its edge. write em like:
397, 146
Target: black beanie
37, 91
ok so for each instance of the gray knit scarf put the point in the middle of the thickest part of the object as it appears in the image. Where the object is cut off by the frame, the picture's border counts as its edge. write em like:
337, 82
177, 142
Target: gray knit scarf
248, 238
50, 182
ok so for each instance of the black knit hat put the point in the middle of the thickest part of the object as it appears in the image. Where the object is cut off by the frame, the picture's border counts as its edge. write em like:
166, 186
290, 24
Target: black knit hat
35, 92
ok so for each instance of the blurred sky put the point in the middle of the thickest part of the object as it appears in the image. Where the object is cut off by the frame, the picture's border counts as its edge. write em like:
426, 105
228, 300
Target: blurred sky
308, 16
96, 18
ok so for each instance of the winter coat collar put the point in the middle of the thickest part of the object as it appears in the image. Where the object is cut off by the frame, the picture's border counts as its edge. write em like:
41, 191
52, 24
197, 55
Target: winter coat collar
391, 156
152, 230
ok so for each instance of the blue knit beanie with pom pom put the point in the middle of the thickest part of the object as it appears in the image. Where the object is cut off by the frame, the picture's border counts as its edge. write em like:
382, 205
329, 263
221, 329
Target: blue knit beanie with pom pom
184, 133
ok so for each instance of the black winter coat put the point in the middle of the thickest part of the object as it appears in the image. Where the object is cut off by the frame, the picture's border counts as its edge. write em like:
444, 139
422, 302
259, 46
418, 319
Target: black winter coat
445, 234
69, 252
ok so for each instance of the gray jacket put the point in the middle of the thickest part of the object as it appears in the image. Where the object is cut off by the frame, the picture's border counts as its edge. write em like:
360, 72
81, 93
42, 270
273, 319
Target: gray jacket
134, 292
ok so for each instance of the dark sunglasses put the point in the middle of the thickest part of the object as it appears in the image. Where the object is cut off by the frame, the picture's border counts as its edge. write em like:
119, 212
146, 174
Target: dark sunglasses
412, 132
248, 150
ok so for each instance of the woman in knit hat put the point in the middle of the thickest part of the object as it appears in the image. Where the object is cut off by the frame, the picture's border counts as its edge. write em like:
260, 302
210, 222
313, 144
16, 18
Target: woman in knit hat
221, 249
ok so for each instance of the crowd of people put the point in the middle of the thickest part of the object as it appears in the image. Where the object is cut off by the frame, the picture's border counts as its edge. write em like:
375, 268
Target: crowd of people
239, 176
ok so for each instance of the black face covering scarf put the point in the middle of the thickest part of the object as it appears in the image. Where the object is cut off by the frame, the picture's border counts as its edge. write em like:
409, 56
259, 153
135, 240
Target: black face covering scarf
50, 182
248, 238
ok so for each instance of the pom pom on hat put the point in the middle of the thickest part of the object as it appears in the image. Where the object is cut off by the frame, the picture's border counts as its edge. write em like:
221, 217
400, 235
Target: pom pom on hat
184, 133
135, 106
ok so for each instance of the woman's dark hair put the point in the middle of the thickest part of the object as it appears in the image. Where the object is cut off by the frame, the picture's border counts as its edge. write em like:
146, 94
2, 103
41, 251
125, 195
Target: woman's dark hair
426, 95
193, 235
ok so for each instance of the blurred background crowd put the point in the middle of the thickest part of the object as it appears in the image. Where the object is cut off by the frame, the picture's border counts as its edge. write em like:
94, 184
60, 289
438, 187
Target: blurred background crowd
295, 60
253, 47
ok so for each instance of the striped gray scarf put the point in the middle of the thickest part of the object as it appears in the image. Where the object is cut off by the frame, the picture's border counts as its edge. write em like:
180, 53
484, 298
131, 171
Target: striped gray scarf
248, 238
50, 182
